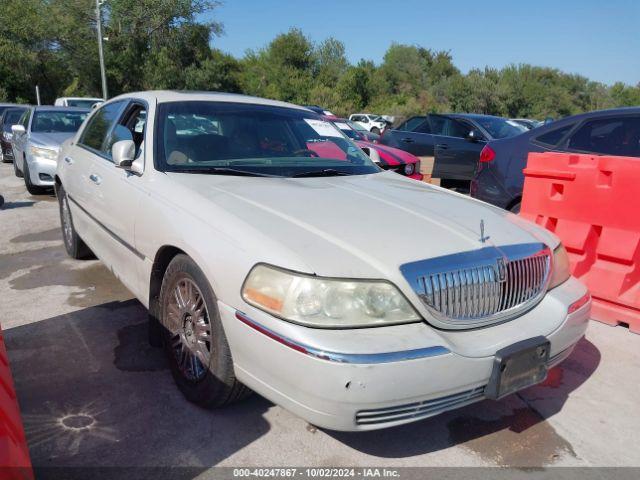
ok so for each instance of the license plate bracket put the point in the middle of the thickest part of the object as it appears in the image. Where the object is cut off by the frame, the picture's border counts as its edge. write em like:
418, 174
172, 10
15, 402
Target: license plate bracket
518, 366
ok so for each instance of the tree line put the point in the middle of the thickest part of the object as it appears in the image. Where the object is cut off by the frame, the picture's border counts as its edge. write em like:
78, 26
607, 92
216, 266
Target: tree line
166, 44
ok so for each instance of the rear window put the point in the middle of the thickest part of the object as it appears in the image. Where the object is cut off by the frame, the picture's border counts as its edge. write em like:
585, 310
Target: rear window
554, 136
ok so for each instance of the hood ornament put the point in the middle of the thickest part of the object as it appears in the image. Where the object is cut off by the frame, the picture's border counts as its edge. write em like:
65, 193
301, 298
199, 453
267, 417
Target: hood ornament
482, 237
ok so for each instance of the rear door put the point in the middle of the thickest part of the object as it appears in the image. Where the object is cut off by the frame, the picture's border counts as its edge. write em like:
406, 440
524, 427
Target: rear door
80, 179
419, 141
456, 157
116, 194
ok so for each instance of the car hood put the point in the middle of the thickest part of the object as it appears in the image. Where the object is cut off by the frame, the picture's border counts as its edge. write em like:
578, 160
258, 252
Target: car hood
50, 139
362, 226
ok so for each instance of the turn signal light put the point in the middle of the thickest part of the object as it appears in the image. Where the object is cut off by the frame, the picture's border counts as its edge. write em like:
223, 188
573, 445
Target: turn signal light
487, 154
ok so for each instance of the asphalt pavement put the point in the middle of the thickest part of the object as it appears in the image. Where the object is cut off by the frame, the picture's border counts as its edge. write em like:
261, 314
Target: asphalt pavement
94, 393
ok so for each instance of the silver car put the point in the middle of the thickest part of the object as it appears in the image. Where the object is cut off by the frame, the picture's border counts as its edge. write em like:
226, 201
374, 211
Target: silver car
36, 141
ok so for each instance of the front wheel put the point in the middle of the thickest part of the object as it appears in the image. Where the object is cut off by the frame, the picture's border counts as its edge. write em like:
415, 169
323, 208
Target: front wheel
17, 172
193, 337
31, 188
375, 130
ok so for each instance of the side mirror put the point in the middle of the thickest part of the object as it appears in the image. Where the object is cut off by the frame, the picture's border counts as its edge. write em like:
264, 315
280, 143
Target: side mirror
123, 153
474, 135
17, 129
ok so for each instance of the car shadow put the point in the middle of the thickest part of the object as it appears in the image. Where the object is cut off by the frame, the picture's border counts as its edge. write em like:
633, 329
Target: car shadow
509, 432
93, 394
14, 205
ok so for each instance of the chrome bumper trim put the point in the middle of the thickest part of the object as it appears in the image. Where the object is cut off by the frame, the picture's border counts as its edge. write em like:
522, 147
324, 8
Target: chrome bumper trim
339, 357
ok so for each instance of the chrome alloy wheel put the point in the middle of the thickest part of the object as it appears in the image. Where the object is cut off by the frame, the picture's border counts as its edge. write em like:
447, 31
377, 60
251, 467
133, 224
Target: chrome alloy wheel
188, 322
67, 227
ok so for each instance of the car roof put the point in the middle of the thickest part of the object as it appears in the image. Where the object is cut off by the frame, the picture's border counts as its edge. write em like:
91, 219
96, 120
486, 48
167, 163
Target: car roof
164, 96
472, 116
81, 98
46, 108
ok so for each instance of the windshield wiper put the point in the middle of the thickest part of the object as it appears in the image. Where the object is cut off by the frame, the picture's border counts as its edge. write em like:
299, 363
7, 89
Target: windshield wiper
325, 172
222, 171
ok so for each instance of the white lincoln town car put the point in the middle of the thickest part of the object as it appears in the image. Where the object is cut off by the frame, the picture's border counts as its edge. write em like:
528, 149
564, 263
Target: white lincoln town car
274, 255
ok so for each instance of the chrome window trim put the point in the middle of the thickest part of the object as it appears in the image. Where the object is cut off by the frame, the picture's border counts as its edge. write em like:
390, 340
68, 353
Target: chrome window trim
487, 259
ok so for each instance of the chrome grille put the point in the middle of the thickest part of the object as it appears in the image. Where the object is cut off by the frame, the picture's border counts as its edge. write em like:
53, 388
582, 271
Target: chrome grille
417, 410
482, 286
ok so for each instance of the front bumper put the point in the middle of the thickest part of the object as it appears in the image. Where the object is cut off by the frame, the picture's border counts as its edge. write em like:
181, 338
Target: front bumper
42, 171
389, 375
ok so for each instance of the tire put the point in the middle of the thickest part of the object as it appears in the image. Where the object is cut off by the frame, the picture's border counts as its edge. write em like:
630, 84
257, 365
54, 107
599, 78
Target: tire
73, 244
17, 172
375, 130
31, 188
193, 337
516, 208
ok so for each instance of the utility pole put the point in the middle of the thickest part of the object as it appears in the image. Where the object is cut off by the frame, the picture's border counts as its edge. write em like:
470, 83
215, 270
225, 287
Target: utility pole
103, 74
38, 94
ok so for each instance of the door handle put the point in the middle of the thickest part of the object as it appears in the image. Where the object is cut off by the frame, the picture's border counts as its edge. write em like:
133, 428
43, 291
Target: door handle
95, 179
408, 140
442, 146
69, 160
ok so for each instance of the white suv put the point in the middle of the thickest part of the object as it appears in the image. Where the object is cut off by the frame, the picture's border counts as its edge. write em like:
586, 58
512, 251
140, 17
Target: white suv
265, 245
373, 123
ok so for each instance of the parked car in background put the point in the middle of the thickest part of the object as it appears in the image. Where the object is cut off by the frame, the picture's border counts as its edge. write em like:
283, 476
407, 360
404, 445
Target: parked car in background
387, 158
37, 137
528, 123
82, 102
370, 122
319, 110
455, 141
8, 118
257, 247
499, 179
366, 134
4, 106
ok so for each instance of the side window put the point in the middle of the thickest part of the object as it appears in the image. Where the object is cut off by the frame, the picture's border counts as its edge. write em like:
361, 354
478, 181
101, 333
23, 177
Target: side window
95, 133
447, 127
458, 129
131, 127
364, 119
411, 124
611, 136
423, 127
554, 136
24, 120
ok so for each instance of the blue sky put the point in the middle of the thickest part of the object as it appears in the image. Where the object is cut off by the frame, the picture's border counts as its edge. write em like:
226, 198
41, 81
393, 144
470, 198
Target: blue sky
598, 39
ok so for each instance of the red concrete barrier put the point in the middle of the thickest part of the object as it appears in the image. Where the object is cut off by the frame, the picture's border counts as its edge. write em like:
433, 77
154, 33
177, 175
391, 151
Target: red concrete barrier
14, 455
593, 204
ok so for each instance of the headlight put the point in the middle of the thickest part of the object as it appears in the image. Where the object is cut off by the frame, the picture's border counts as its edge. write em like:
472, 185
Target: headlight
326, 302
44, 153
409, 169
561, 268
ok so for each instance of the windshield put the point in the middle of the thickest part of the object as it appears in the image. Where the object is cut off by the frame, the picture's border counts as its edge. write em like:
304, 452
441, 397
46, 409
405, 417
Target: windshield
357, 126
57, 121
83, 103
500, 127
224, 137
11, 117
347, 130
